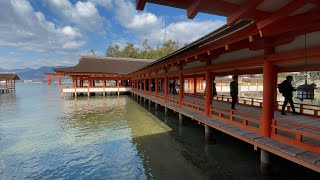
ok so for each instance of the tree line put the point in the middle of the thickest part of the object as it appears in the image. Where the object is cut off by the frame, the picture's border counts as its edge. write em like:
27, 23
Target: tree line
145, 52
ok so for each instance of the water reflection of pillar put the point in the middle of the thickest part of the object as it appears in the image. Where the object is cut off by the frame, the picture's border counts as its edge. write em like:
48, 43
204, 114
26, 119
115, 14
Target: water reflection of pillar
118, 103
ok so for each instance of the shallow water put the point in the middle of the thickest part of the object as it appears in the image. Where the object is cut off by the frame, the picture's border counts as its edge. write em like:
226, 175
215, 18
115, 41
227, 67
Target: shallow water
43, 136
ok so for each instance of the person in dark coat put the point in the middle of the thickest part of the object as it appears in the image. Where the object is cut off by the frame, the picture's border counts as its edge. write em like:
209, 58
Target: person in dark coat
174, 90
234, 91
170, 87
214, 89
287, 94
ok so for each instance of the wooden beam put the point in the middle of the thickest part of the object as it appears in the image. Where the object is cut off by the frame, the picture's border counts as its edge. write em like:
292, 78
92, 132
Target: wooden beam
193, 9
282, 13
289, 24
247, 10
140, 4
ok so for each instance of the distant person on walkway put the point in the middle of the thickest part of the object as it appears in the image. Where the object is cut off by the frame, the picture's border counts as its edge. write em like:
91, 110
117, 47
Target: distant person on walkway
286, 89
234, 91
170, 87
174, 90
214, 89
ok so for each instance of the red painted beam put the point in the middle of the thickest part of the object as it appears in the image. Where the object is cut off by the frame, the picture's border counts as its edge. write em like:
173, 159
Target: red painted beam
193, 9
140, 4
293, 23
282, 13
247, 10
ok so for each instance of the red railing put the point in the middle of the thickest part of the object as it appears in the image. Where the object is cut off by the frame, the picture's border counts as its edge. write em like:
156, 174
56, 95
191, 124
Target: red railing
194, 105
173, 99
305, 109
245, 120
304, 136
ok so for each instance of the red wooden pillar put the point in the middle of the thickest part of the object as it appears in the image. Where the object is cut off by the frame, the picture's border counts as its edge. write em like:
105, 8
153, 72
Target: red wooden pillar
118, 85
181, 91
89, 83
149, 86
73, 83
144, 86
49, 80
59, 80
208, 94
156, 86
268, 99
195, 86
166, 88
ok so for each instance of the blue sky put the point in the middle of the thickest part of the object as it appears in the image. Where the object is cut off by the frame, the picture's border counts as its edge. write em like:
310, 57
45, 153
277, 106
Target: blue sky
35, 33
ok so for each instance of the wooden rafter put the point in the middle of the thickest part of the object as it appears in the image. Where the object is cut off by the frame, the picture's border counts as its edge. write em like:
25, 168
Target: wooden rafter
140, 4
282, 13
249, 8
289, 24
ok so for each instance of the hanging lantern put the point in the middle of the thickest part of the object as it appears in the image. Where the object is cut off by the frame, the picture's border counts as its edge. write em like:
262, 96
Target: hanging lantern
305, 91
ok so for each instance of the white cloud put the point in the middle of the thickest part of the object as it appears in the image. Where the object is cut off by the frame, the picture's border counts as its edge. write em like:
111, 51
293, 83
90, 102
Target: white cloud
138, 22
84, 14
183, 32
145, 25
22, 27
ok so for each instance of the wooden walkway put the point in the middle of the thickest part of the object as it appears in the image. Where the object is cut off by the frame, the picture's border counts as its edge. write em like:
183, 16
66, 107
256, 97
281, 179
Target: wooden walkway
294, 137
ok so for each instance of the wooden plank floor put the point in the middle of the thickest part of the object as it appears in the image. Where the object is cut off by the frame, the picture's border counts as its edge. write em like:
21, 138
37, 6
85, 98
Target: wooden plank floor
293, 153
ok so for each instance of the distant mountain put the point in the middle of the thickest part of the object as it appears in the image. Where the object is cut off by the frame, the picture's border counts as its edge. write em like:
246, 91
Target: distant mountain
32, 74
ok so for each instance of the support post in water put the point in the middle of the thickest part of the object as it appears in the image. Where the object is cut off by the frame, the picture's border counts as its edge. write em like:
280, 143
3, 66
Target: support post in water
207, 133
265, 162
166, 111
180, 119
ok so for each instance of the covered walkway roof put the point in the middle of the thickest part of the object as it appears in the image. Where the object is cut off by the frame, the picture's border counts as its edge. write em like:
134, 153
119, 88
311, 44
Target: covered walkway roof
8, 76
285, 33
104, 65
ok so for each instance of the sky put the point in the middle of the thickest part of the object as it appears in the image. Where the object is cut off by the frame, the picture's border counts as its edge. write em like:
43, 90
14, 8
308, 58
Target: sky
35, 33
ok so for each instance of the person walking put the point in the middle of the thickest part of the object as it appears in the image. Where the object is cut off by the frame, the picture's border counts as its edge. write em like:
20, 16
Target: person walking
214, 89
234, 91
286, 89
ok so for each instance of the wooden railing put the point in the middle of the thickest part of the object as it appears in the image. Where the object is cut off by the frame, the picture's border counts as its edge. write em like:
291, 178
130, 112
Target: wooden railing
241, 100
194, 105
305, 109
290, 132
173, 99
245, 120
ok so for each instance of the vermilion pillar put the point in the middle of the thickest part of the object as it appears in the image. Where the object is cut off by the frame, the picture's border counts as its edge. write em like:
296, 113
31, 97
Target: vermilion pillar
156, 86
144, 85
73, 83
166, 88
208, 94
149, 86
49, 80
195, 86
268, 98
181, 89
59, 80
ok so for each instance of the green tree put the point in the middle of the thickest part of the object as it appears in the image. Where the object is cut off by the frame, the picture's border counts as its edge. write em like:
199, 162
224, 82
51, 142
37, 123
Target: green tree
146, 52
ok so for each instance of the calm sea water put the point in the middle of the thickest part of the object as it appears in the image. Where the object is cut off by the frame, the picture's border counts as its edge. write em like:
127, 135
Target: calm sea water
43, 136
